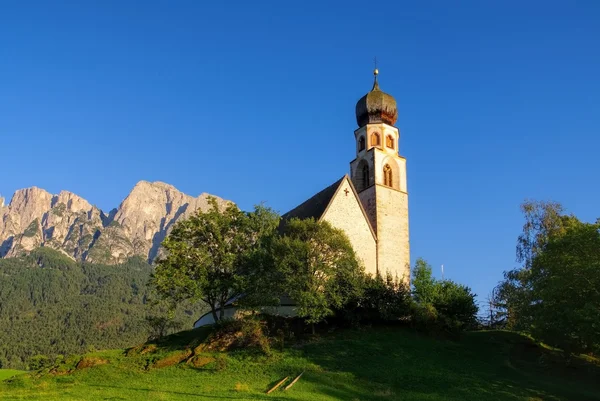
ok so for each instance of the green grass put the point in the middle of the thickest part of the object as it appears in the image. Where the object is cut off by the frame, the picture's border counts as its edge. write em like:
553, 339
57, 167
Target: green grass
8, 373
370, 364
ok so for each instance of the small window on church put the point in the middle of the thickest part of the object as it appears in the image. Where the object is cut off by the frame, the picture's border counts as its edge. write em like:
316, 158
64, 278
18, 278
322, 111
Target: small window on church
365, 176
389, 142
387, 175
361, 143
375, 139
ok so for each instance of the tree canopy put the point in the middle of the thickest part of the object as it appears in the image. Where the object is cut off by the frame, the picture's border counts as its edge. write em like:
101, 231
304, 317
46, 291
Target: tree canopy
451, 304
207, 255
317, 266
555, 294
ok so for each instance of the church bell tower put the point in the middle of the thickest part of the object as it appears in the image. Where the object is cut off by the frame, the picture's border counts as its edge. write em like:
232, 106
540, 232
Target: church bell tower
379, 175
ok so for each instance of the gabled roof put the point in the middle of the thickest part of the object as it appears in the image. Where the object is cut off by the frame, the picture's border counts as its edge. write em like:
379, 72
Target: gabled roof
315, 206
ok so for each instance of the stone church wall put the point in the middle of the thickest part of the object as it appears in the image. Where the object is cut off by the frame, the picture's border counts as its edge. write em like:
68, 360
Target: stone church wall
345, 213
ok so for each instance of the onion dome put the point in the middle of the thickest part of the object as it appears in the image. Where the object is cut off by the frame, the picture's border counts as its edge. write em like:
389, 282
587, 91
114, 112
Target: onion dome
376, 107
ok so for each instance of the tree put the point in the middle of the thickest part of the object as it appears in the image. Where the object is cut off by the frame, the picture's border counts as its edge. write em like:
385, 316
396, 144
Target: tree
494, 316
51, 305
565, 289
316, 267
543, 221
206, 255
381, 300
554, 294
451, 303
423, 282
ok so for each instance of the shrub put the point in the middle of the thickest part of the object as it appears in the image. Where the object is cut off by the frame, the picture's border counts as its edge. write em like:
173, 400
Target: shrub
247, 333
424, 317
381, 300
441, 304
39, 362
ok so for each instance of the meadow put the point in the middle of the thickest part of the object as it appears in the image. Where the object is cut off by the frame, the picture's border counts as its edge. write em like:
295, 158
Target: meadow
360, 364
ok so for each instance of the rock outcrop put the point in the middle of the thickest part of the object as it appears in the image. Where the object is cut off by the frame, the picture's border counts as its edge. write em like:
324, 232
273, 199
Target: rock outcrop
69, 223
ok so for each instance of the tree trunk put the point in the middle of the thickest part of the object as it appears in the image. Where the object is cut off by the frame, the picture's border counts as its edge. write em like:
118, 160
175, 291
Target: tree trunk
221, 312
313, 328
214, 313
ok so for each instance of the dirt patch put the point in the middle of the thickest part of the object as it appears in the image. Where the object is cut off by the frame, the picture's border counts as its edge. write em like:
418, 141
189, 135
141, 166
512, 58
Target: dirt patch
199, 361
141, 349
172, 359
89, 361
148, 349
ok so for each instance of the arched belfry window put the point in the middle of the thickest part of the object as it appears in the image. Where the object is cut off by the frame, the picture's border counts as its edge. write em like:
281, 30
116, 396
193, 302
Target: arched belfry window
389, 142
365, 176
375, 139
361, 143
361, 176
387, 175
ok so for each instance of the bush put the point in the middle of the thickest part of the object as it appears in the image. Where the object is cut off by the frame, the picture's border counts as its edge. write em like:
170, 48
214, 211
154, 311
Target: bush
246, 333
441, 304
39, 362
381, 300
425, 317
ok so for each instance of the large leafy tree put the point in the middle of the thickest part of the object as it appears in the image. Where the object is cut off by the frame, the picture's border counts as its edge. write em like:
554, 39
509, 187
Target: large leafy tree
543, 221
316, 266
555, 293
565, 290
207, 255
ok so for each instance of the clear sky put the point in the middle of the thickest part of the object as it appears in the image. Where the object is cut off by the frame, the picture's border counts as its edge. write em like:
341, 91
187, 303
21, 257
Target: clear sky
254, 101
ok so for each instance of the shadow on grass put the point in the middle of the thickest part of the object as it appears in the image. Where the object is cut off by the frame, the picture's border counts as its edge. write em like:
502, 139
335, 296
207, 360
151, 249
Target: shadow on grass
180, 341
394, 363
183, 339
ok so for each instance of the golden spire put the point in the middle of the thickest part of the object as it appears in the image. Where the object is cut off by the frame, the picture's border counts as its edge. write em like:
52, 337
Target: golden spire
375, 73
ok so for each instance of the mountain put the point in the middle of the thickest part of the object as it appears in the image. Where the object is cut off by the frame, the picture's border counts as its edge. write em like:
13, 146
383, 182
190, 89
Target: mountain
70, 224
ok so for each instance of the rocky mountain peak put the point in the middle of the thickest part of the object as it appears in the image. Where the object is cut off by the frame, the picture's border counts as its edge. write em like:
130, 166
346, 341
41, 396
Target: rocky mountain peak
69, 223
71, 201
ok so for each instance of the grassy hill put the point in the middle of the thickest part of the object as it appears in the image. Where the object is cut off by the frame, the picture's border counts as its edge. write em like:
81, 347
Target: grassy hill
8, 373
367, 364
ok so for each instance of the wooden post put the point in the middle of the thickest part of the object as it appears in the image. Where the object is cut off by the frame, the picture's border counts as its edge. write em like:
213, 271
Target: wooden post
278, 384
294, 381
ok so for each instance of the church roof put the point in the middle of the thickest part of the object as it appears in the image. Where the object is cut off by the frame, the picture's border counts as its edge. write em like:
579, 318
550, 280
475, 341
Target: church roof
315, 206
376, 107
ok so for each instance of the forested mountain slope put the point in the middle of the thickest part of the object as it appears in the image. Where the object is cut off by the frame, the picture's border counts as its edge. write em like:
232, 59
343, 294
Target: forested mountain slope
52, 305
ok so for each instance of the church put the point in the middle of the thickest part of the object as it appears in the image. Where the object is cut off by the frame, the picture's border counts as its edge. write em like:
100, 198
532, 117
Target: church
370, 204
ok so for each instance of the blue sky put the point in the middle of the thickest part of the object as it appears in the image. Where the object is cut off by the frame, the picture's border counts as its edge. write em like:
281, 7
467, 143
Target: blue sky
254, 101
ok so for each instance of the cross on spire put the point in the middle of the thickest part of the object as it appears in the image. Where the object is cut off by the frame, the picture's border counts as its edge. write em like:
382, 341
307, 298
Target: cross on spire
375, 73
